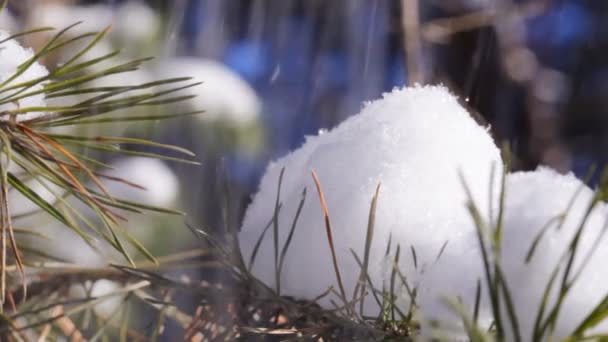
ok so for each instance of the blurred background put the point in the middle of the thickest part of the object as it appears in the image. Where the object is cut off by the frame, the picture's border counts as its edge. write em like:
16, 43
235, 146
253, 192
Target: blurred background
275, 71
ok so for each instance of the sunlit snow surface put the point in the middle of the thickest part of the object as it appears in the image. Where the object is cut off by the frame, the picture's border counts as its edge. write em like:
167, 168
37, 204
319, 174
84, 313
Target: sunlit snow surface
8, 22
223, 94
414, 141
131, 22
11, 56
533, 199
159, 182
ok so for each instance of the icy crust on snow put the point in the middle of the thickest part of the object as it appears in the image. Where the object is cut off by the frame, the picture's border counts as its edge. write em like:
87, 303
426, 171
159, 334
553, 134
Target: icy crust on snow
414, 141
11, 56
532, 200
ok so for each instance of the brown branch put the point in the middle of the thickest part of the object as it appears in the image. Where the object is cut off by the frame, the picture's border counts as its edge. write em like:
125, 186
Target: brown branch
410, 22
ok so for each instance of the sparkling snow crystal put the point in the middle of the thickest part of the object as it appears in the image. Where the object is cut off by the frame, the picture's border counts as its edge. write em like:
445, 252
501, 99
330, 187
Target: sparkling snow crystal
414, 141
11, 56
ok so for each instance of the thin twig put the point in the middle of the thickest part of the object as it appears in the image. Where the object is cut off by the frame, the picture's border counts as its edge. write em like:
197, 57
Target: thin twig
410, 22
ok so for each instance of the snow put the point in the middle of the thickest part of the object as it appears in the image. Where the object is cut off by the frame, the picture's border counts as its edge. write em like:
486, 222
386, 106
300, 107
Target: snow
533, 199
19, 204
11, 56
102, 48
414, 141
8, 21
161, 190
126, 79
108, 289
160, 183
93, 18
133, 25
136, 21
224, 95
131, 22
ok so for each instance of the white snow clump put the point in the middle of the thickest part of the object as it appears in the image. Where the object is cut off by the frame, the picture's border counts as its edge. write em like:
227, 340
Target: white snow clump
160, 183
21, 205
532, 200
414, 141
131, 22
91, 18
223, 95
130, 78
11, 56
8, 21
136, 21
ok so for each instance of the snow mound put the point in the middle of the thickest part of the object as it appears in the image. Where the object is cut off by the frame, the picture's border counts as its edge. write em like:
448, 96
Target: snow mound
160, 183
130, 78
136, 21
414, 141
12, 55
532, 200
223, 94
132, 22
92, 18
8, 21
21, 205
